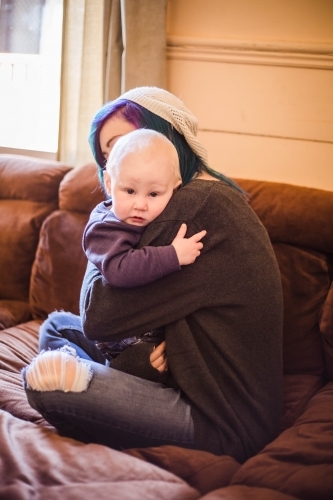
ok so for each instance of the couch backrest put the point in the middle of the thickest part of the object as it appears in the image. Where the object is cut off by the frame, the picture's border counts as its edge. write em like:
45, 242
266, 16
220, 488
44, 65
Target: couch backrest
299, 222
28, 194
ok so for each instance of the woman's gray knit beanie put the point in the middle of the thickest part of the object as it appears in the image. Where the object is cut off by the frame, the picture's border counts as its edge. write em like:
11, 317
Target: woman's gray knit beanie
167, 106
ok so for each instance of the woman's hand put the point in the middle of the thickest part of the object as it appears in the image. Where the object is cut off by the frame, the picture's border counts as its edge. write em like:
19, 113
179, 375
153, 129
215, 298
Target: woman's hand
158, 358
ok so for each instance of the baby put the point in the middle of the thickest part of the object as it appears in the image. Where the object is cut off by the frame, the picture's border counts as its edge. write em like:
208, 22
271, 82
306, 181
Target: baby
142, 173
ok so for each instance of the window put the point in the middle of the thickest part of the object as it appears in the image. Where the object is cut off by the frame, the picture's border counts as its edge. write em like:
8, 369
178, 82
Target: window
30, 64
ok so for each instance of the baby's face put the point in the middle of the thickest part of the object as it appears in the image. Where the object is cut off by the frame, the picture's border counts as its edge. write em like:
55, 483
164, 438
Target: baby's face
142, 185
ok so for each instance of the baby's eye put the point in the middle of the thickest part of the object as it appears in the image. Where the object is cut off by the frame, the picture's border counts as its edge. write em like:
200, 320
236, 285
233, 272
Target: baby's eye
130, 191
153, 194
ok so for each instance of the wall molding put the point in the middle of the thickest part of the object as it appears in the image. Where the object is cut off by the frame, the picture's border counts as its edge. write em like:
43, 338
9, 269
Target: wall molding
256, 52
265, 136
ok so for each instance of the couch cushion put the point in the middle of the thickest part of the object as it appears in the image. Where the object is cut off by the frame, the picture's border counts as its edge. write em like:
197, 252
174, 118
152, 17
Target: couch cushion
37, 463
13, 312
204, 471
59, 266
18, 345
28, 178
326, 330
305, 283
298, 389
300, 461
246, 493
80, 190
20, 222
293, 214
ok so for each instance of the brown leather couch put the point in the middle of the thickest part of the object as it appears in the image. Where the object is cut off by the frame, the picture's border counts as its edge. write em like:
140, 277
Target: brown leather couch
44, 207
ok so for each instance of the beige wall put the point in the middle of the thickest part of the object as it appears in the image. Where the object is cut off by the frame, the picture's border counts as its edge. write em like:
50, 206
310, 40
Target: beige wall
259, 76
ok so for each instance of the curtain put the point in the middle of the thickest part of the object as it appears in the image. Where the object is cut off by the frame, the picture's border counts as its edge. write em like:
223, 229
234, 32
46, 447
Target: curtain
109, 46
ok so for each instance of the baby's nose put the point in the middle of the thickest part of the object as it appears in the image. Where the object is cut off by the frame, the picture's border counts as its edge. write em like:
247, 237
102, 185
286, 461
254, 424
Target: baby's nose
140, 204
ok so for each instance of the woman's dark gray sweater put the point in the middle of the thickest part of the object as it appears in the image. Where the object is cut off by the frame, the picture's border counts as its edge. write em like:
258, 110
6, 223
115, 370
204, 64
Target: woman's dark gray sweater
222, 317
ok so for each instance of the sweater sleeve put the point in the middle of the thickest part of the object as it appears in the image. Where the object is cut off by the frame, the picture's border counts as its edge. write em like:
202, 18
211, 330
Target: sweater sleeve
110, 313
115, 313
110, 246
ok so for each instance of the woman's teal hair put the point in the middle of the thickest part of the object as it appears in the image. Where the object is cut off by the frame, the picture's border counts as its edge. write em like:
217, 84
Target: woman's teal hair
140, 117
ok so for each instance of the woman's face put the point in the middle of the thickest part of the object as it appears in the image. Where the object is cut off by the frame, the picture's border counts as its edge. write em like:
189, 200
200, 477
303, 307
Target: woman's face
113, 128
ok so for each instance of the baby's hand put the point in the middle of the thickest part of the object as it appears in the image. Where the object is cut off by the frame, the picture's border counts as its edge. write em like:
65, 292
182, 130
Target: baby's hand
158, 358
187, 249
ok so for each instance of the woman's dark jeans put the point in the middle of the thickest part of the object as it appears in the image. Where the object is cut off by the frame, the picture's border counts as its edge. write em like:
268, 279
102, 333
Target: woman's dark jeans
117, 409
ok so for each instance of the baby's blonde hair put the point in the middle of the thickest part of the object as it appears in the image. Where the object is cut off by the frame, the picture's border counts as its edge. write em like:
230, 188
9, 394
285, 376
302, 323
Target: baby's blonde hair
137, 141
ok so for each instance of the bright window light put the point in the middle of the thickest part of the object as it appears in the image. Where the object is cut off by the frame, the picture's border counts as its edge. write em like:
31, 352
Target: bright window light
30, 64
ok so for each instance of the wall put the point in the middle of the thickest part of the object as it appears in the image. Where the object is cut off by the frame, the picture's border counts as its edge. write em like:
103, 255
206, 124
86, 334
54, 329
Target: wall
258, 74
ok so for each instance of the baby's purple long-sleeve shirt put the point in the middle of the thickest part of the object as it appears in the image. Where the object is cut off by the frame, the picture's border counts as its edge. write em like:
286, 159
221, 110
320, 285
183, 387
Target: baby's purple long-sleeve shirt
110, 245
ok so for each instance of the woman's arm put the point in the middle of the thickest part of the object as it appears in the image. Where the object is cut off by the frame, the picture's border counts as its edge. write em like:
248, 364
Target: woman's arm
108, 312
114, 313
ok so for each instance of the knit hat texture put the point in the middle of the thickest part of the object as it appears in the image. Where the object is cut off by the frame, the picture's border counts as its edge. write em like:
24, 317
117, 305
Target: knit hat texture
167, 106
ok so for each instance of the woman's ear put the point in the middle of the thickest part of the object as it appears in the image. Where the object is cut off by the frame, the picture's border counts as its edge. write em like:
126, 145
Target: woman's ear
107, 182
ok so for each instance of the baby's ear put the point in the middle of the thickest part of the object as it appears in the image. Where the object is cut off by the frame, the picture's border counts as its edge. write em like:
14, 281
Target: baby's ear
178, 183
107, 182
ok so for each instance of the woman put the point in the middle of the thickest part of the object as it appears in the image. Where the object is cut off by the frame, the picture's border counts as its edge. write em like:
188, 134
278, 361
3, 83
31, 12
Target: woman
222, 316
